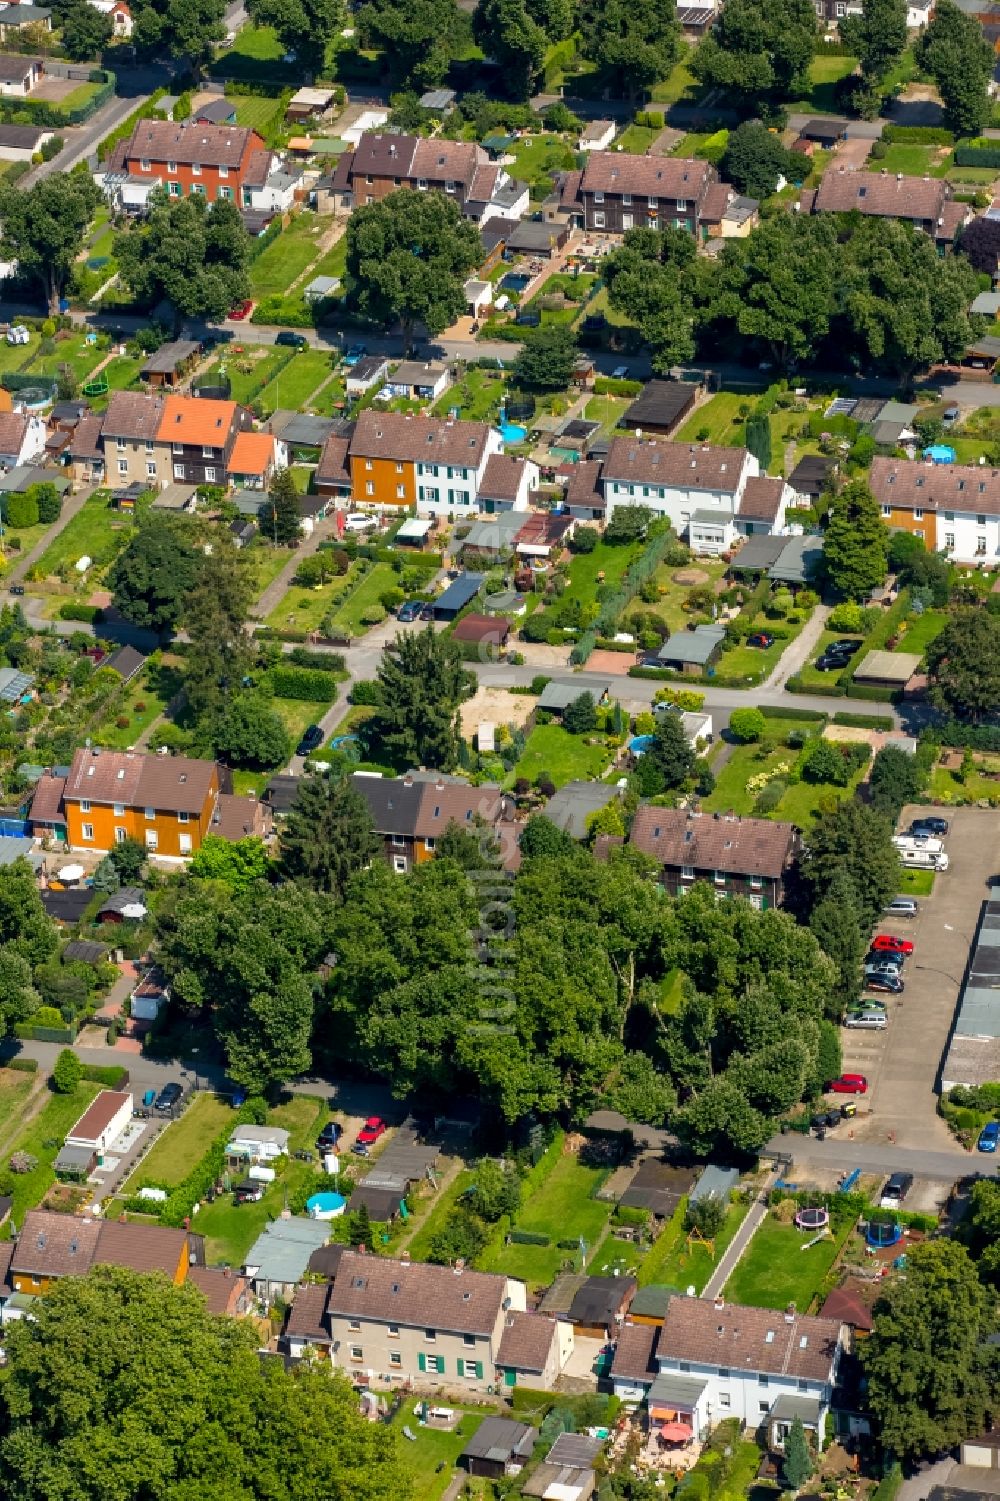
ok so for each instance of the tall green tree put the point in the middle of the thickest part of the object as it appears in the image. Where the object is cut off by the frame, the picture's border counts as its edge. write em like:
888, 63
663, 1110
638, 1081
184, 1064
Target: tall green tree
408, 257
221, 651
953, 50
194, 254
416, 39
25, 927
541, 837
237, 863
507, 33
85, 32
189, 29
18, 996
759, 50
328, 836
797, 1465
633, 46
670, 752
43, 228
423, 682
240, 1429
646, 281
895, 778
877, 37
926, 1361
778, 284
856, 542
964, 664
905, 306
305, 27
153, 577
836, 922
281, 515
856, 841
755, 160
247, 732
545, 362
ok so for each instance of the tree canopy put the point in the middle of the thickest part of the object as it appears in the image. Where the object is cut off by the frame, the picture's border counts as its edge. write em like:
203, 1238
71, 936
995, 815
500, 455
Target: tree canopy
408, 257
760, 50
416, 38
509, 34
953, 50
152, 578
546, 360
423, 681
44, 228
856, 542
304, 27
193, 253
755, 159
964, 664
646, 281
240, 1429
328, 836
633, 46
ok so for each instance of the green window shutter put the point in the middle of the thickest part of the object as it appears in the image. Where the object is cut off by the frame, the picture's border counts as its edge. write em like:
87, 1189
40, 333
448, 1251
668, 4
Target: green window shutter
421, 1362
510, 1378
440, 1365
479, 1369
461, 1367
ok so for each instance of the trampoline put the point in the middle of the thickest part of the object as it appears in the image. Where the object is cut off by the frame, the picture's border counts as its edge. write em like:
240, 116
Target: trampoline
812, 1219
881, 1233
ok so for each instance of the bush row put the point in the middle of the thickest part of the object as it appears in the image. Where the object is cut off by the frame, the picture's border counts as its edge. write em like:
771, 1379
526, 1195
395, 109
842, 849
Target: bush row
147, 111
863, 721
23, 1065
977, 156
72, 609
112, 1077
310, 684
918, 135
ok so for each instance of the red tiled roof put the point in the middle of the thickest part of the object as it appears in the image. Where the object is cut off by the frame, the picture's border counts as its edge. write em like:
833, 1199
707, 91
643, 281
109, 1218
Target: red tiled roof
46, 805
501, 477
908, 483
739, 846
749, 1339
195, 420
190, 143
419, 439
693, 466
253, 453
761, 499
889, 197
650, 176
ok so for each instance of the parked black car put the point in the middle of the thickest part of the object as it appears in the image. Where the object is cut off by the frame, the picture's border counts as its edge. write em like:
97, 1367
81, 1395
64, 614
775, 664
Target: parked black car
933, 826
169, 1096
311, 740
291, 340
329, 1136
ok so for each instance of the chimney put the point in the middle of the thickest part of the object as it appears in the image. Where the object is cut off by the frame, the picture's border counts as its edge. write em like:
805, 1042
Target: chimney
720, 1303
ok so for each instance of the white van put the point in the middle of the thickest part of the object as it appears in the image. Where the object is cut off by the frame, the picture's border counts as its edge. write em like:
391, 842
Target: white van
357, 521
924, 859
918, 842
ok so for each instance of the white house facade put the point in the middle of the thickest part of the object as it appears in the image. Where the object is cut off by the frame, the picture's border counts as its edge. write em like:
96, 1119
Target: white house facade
447, 489
697, 487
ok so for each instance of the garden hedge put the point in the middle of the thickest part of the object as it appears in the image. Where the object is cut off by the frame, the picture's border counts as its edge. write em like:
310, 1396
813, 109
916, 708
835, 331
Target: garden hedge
23, 1065
310, 684
977, 156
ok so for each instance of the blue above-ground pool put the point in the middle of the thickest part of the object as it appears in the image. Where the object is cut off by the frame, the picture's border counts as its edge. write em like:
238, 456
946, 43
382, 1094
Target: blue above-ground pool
512, 432
325, 1206
515, 281
640, 743
940, 453
341, 740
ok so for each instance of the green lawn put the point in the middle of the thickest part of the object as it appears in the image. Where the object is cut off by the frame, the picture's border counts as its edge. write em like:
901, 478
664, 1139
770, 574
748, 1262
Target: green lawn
302, 1116
296, 382
183, 1144
477, 396
365, 597
776, 1270
911, 159
950, 786
678, 1265
432, 1448
42, 1138
153, 690
637, 139
265, 562
303, 609
564, 757
916, 882
73, 351
247, 370
439, 1209
93, 532
607, 410
731, 793
670, 605
14, 1090
681, 84
537, 155
605, 559
753, 663
298, 714
13, 356
123, 371
286, 257
334, 262
258, 113
721, 416
921, 630
561, 1208
810, 674
824, 75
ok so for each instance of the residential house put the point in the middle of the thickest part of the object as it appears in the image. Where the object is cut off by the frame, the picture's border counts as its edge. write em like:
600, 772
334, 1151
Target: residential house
52, 1246
187, 159
103, 1122
369, 372
507, 483
763, 505
278, 1258
811, 478
585, 491
166, 802
84, 452
410, 815
269, 185
633, 1367
925, 202
226, 1292
462, 169
617, 191
719, 1361
132, 451
851, 1304
22, 438
332, 476
596, 136
418, 380
400, 460
747, 857
952, 508
660, 407
599, 1306
698, 487
201, 436
19, 75
46, 818
18, 143
170, 364
394, 1321
498, 1447
239, 818
254, 460
533, 1350
13, 17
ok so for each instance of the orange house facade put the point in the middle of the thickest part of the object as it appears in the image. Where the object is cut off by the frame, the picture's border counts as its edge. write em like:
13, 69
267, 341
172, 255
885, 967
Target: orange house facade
399, 460
165, 802
53, 1246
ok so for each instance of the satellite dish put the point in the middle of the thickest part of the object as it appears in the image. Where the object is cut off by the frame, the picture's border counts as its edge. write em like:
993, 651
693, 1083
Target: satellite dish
692, 1291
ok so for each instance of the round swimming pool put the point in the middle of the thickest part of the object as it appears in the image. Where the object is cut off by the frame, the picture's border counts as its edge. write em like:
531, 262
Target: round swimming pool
325, 1206
513, 432
640, 743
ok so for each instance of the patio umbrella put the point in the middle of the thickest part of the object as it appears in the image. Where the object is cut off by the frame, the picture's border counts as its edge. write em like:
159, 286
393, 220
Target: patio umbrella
134, 910
676, 1433
72, 873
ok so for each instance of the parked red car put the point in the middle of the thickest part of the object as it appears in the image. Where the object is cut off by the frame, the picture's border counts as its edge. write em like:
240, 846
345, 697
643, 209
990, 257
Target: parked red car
373, 1128
241, 310
848, 1084
887, 943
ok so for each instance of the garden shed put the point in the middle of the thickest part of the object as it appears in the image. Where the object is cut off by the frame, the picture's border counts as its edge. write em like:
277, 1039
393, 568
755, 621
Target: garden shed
691, 651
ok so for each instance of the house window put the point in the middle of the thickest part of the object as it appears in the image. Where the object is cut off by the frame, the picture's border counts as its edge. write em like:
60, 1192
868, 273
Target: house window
429, 844
144, 166
121, 444
223, 171
87, 832
197, 190
449, 187
398, 841
724, 1372
369, 465
980, 547
399, 468
949, 540
887, 510
756, 883
175, 189
225, 194
472, 1370
918, 531
150, 814
178, 471
395, 1358
119, 810
400, 492
761, 1379
152, 839
598, 221
369, 488
765, 1407
393, 1331
980, 520
354, 1326
720, 878
182, 817
949, 515
184, 844
918, 515
123, 466
399, 865
687, 872
171, 166
85, 806
357, 1353
724, 1399
422, 184
430, 1335
803, 1386
120, 836
757, 902
151, 471
682, 204
210, 476
196, 169
469, 1340
627, 200
684, 1365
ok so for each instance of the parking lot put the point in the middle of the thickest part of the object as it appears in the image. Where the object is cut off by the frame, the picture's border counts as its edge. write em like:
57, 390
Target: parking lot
902, 1062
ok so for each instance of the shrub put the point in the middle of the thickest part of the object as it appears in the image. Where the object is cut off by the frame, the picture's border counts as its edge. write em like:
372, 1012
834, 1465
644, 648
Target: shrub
23, 1162
374, 615
304, 683
747, 725
112, 1076
531, 1238
73, 610
366, 691
23, 1065
67, 1073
